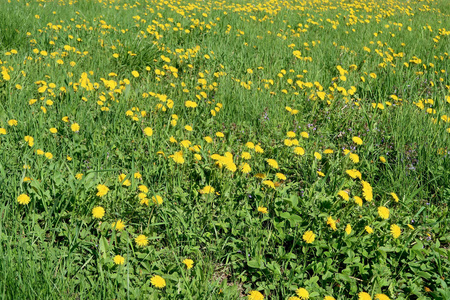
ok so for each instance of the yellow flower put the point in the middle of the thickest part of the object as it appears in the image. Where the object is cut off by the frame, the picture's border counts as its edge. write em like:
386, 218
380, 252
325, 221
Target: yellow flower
135, 74
48, 155
79, 176
12, 122
258, 149
158, 282
411, 227
98, 212
119, 260
290, 134
191, 104
358, 200
348, 229
262, 209
177, 157
302, 293
357, 140
158, 200
273, 163
246, 155
328, 151
364, 296
304, 134
29, 140
344, 195
331, 222
53, 130
299, 151
220, 134
395, 231
280, 176
255, 295
141, 240
207, 190
2, 131
383, 212
189, 263
381, 297
39, 152
75, 127
394, 195
368, 229
102, 190
23, 199
148, 131
353, 173
250, 145
245, 168
354, 158
188, 127
208, 139
317, 155
329, 298
367, 190
119, 225
269, 183
309, 237
382, 159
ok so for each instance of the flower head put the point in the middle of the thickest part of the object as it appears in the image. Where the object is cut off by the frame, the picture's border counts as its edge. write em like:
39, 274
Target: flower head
148, 131
98, 212
368, 229
357, 140
23, 199
189, 263
262, 209
102, 190
158, 282
381, 297
302, 293
395, 231
364, 296
75, 127
383, 212
119, 225
309, 237
255, 295
141, 240
158, 200
119, 260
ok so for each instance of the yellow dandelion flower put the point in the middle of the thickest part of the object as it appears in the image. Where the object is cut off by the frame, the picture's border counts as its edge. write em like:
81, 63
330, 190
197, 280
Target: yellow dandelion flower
258, 149
188, 128
304, 134
411, 227
262, 209
364, 296
208, 139
280, 176
299, 151
220, 134
53, 130
358, 201
250, 145
135, 74
143, 188
383, 212
357, 140
119, 260
309, 237
329, 298
290, 134
75, 127
245, 168
157, 200
344, 195
207, 190
148, 131
158, 282
12, 122
331, 222
383, 159
189, 263
273, 163
269, 183
367, 190
119, 225
141, 240
317, 155
246, 155
302, 293
368, 229
98, 212
381, 297
2, 131
102, 190
395, 231
394, 195
255, 295
348, 229
23, 199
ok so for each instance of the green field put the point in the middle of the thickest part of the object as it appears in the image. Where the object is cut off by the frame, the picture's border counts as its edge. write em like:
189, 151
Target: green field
224, 149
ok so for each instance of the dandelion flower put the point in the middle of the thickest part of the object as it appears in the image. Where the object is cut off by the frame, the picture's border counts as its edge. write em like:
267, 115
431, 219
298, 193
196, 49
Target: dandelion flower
411, 227
383, 212
208, 139
329, 298
141, 240
302, 293
188, 128
344, 195
381, 297
23, 199
119, 225
317, 155
368, 229
12, 122
189, 263
157, 200
269, 183
75, 127
220, 134
383, 159
258, 149
331, 222
102, 190
294, 298
79, 176
246, 155
124, 181
262, 209
119, 260
135, 74
2, 131
158, 282
357, 140
245, 168
250, 145
299, 151
98, 212
207, 190
273, 163
148, 131
280, 176
395, 231
304, 134
290, 134
48, 155
394, 195
367, 190
309, 237
53, 130
348, 229
364, 296
255, 295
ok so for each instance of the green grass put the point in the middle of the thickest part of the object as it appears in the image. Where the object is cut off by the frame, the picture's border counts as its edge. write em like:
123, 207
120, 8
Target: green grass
372, 69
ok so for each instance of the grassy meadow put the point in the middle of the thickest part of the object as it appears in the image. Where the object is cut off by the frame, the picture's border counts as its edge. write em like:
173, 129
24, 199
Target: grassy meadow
225, 149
